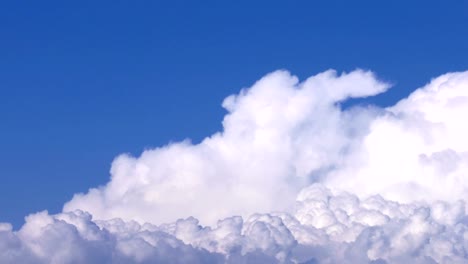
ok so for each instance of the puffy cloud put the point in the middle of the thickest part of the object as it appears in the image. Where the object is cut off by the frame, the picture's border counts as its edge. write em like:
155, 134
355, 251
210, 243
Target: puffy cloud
326, 227
292, 178
415, 150
278, 135
75, 238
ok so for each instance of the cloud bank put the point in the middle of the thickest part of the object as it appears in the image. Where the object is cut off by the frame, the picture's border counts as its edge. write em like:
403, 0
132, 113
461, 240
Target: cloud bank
326, 227
292, 178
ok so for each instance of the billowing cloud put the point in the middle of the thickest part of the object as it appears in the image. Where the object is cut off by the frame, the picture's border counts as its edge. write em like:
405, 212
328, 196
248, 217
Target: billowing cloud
292, 178
326, 227
415, 150
278, 135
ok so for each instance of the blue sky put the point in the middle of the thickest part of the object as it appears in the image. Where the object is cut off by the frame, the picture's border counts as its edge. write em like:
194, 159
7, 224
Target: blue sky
84, 81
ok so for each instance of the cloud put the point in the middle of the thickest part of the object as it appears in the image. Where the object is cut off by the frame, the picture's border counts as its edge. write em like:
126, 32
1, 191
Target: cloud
278, 135
415, 150
292, 178
326, 227
75, 238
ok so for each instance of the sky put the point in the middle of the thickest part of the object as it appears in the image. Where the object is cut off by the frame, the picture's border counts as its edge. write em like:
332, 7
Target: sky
84, 82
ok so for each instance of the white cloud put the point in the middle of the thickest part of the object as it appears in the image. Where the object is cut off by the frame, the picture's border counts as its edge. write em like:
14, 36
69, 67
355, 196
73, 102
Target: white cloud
415, 150
293, 178
277, 136
326, 227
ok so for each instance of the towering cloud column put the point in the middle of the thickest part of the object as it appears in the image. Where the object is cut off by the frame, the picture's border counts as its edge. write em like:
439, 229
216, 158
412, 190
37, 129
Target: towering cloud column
279, 136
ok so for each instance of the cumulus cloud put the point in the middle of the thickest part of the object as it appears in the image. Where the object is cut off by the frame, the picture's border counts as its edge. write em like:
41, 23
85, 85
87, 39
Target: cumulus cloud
278, 135
415, 150
326, 227
292, 178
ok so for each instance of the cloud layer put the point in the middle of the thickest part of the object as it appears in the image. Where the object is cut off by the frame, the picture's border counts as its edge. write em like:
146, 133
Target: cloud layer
326, 227
292, 178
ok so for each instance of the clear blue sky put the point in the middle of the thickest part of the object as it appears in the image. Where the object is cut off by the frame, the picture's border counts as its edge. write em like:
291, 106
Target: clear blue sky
83, 81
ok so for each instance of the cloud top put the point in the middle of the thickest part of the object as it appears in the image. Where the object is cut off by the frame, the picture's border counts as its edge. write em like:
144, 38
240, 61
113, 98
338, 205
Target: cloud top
415, 150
